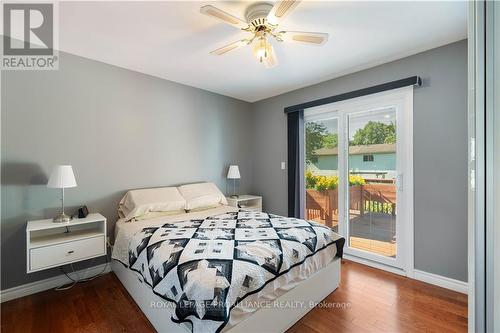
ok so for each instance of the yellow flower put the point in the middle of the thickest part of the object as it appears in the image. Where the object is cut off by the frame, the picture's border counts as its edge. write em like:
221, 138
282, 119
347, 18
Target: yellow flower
323, 183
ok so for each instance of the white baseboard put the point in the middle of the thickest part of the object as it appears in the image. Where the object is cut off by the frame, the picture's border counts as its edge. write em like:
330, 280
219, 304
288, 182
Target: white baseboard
437, 280
50, 283
441, 281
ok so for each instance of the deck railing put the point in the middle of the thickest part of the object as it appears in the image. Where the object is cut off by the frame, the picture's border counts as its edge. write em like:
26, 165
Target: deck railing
377, 198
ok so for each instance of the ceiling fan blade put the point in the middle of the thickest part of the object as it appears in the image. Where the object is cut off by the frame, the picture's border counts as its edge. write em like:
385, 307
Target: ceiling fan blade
270, 61
315, 38
281, 9
223, 16
230, 47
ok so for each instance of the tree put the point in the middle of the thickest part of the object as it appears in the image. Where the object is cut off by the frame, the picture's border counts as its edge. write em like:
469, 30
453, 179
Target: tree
315, 133
331, 140
375, 132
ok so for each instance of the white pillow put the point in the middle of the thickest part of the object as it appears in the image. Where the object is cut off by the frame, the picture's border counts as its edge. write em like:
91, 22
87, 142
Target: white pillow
202, 196
153, 215
140, 202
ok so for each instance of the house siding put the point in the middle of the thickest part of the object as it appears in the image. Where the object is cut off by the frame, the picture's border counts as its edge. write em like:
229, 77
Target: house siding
356, 163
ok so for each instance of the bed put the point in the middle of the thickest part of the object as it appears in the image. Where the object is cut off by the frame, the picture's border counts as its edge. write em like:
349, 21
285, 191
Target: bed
223, 269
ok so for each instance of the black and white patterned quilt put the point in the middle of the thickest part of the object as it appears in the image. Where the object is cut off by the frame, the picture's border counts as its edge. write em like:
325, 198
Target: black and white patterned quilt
206, 266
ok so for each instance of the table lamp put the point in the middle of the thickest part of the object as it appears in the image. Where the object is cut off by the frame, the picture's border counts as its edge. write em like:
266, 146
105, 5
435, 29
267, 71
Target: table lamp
62, 177
233, 173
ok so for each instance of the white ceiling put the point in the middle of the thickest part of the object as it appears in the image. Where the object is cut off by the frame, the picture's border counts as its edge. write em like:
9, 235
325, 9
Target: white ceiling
172, 40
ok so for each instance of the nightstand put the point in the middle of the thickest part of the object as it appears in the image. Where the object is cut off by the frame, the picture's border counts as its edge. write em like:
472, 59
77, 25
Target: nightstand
50, 244
246, 202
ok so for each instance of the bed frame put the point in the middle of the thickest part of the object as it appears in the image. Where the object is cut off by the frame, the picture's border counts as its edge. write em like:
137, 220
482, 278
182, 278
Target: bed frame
275, 320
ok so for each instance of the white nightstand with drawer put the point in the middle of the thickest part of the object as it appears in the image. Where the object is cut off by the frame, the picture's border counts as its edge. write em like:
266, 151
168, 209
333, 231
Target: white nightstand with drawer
50, 244
246, 202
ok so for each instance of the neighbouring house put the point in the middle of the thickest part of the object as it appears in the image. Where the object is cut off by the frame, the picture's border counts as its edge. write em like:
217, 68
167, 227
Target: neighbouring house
371, 161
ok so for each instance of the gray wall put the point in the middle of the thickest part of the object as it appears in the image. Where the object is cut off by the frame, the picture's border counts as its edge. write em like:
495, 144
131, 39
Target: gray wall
120, 130
440, 150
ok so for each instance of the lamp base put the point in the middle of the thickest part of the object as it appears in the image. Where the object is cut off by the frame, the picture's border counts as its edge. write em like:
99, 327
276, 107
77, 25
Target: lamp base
63, 218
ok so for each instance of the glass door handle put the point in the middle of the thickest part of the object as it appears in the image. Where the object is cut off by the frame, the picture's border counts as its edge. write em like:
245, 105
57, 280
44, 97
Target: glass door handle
399, 182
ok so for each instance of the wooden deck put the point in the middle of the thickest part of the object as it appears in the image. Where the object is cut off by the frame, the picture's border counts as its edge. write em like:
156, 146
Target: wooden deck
372, 232
372, 215
387, 249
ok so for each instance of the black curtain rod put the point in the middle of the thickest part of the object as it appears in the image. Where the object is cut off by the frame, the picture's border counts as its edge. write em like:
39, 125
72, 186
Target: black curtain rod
409, 81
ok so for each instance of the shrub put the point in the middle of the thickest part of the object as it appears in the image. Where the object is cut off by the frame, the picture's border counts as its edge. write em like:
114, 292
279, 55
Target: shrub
356, 180
323, 183
310, 180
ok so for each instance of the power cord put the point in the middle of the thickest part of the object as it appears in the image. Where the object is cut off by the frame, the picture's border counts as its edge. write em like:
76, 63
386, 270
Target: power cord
73, 282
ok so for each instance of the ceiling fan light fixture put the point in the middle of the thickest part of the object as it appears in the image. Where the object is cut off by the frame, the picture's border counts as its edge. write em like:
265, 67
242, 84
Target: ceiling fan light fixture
271, 60
262, 20
262, 49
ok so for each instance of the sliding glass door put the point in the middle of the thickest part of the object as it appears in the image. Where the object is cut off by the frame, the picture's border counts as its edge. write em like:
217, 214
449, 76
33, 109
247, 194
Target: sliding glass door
371, 166
322, 171
358, 174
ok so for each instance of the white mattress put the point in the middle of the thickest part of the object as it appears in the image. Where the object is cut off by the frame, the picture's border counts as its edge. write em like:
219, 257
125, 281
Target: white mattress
280, 286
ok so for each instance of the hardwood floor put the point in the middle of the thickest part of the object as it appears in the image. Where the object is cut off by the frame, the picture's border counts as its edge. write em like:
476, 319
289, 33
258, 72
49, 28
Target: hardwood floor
379, 301
368, 300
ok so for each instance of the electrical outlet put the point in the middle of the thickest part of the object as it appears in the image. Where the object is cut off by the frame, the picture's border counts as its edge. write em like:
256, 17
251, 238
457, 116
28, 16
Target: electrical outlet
283, 165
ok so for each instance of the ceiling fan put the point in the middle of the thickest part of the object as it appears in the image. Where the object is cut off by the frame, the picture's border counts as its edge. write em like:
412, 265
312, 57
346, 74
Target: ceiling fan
262, 20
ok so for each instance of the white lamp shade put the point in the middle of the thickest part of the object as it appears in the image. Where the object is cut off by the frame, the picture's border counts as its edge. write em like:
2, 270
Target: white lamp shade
234, 172
62, 177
